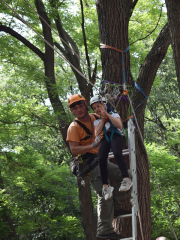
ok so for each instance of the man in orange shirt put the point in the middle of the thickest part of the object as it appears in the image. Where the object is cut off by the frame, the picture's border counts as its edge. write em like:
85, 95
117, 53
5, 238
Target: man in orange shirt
80, 143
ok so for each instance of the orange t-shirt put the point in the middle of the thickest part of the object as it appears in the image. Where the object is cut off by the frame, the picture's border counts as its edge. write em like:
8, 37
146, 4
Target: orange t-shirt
75, 133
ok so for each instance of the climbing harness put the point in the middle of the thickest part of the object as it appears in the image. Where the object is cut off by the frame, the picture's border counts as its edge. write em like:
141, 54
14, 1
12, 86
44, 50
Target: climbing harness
112, 130
83, 164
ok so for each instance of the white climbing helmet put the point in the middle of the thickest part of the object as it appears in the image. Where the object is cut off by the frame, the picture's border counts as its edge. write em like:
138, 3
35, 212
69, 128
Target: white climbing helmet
97, 99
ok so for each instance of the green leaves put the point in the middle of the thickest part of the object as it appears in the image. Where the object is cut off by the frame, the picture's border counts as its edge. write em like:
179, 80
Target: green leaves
147, 20
39, 193
167, 173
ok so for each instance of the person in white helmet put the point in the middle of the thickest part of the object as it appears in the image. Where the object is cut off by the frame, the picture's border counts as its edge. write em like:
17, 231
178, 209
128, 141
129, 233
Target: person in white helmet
161, 238
110, 123
80, 143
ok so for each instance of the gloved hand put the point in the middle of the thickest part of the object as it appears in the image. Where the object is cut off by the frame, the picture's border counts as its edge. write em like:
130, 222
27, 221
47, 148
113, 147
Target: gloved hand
97, 140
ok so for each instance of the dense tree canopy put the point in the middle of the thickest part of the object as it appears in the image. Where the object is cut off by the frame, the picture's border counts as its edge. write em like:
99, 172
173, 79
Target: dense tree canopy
50, 50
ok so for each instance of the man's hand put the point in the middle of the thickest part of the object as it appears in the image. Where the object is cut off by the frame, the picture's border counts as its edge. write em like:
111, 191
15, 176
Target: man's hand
97, 140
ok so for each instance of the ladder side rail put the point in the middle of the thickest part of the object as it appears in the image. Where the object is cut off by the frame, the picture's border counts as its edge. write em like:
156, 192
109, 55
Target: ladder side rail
132, 159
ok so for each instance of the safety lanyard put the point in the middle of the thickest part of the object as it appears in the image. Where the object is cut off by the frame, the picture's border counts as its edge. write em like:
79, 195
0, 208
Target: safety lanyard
113, 129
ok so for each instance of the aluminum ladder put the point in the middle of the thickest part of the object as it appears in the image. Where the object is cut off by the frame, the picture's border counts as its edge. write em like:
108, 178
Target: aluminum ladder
134, 196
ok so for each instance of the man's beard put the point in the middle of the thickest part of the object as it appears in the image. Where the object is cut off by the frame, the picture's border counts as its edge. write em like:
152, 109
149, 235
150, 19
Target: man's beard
83, 115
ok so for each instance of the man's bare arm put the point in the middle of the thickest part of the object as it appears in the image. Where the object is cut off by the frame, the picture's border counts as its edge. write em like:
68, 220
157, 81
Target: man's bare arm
77, 149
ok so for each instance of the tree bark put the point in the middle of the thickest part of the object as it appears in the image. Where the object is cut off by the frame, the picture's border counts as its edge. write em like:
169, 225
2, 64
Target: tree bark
49, 72
71, 52
86, 206
6, 218
113, 19
88, 221
173, 13
23, 40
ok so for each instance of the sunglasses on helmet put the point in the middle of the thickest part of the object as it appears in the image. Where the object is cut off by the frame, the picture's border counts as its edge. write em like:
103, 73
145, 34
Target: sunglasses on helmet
76, 103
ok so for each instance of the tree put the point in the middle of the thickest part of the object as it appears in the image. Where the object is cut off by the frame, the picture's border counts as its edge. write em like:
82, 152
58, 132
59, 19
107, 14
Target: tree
166, 167
162, 136
50, 82
114, 20
38, 192
162, 117
112, 70
173, 9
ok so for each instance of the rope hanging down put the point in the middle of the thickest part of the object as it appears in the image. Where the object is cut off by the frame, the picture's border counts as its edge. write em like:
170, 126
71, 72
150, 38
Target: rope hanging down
106, 46
113, 95
125, 91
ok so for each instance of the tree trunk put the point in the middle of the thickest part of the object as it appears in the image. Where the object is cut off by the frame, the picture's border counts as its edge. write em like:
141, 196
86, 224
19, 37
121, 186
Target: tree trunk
6, 218
86, 206
113, 19
173, 13
84, 192
49, 72
50, 81
113, 26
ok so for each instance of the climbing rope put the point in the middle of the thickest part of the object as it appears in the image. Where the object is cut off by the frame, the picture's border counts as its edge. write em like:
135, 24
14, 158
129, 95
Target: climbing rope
113, 96
125, 92
49, 44
60, 38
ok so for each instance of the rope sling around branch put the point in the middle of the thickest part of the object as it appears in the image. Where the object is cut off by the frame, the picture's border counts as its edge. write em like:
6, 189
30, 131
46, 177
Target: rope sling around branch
48, 44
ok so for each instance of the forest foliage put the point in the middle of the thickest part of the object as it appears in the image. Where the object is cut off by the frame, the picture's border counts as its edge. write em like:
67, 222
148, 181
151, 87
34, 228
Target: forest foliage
38, 191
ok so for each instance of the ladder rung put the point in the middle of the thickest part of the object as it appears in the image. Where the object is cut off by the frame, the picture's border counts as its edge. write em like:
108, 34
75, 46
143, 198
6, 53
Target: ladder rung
124, 216
131, 238
124, 152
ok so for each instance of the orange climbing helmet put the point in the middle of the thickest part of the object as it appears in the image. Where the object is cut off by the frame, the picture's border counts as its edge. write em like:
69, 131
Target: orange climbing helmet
75, 98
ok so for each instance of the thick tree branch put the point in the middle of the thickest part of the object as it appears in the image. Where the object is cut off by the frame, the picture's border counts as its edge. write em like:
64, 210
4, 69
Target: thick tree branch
61, 49
157, 122
173, 11
64, 36
85, 42
149, 68
70, 54
49, 71
22, 39
132, 7
93, 80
